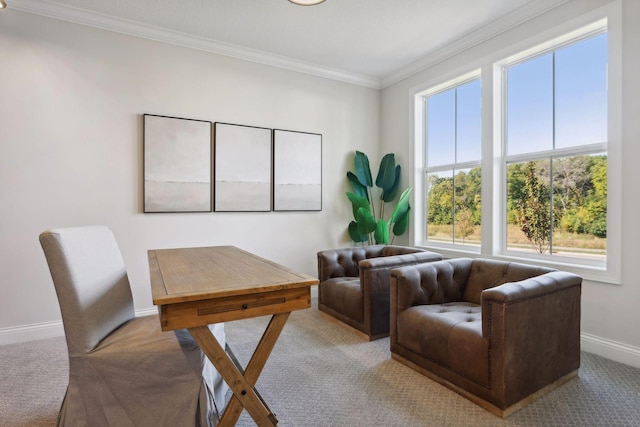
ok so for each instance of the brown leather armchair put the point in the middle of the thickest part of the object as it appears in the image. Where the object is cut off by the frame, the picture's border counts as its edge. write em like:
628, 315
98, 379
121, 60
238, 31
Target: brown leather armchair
354, 284
501, 334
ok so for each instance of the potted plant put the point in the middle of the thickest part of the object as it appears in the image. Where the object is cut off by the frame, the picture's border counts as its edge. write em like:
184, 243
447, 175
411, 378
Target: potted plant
367, 226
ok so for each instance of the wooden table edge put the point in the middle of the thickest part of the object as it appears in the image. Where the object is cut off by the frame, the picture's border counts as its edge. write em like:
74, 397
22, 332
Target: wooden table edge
160, 296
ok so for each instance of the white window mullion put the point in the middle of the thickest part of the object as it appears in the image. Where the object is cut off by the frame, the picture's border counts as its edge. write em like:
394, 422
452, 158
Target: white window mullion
494, 155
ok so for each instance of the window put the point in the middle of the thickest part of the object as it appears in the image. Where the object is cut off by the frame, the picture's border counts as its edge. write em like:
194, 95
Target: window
520, 159
453, 178
555, 151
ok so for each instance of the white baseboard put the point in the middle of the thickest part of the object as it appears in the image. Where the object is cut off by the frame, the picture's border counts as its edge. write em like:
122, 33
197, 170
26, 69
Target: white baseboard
147, 311
35, 331
44, 330
609, 349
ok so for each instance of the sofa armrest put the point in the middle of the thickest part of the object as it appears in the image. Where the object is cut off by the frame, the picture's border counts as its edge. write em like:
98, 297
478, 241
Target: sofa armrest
375, 285
523, 321
406, 287
375, 272
532, 287
395, 261
546, 285
416, 285
391, 250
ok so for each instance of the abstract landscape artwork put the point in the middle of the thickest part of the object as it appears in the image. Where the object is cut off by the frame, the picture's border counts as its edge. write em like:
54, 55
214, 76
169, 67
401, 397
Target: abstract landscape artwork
242, 168
297, 171
177, 164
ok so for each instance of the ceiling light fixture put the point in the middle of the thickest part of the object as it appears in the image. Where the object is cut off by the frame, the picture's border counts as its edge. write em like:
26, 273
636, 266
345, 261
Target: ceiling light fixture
303, 2
2, 4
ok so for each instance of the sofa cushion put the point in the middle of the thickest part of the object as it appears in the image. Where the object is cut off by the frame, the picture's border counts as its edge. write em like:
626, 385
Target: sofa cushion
344, 295
448, 334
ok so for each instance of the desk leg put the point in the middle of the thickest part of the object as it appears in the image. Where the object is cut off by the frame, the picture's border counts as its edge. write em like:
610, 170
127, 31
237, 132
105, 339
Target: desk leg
242, 386
257, 362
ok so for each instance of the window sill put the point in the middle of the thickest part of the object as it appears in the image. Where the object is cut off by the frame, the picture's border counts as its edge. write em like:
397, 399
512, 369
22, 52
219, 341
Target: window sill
590, 273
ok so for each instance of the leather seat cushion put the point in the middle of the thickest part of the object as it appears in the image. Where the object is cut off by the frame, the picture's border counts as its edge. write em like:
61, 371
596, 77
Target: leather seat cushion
343, 295
449, 335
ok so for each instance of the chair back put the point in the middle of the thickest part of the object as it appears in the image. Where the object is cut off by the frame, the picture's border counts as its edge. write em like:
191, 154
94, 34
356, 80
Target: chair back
91, 282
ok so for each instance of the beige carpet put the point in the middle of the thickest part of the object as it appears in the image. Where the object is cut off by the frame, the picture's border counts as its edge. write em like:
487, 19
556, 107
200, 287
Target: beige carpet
321, 374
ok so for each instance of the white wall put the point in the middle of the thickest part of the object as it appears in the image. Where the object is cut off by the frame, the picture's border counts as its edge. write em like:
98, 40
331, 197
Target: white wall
71, 105
610, 314
71, 100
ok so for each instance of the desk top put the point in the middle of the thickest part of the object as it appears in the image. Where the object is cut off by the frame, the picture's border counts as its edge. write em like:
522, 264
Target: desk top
192, 274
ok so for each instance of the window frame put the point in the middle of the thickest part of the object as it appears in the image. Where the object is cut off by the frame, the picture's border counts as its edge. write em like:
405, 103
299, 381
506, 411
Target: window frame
455, 166
606, 18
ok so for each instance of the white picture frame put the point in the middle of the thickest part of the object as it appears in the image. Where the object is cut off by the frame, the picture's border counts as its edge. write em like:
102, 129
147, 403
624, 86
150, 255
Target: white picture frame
242, 168
297, 171
177, 164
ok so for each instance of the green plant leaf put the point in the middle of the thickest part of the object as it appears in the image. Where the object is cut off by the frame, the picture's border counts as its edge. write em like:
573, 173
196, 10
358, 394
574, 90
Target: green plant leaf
402, 207
390, 194
366, 227
363, 172
400, 226
355, 234
366, 221
381, 234
357, 186
386, 174
358, 202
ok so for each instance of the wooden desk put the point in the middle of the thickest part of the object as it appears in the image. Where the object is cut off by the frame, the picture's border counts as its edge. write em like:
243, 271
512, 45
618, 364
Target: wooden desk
195, 287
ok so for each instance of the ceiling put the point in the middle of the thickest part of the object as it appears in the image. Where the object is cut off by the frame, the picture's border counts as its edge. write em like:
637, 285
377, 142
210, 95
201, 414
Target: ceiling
370, 42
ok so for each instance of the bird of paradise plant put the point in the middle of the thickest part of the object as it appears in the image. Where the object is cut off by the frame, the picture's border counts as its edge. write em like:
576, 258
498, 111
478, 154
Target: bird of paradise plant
366, 226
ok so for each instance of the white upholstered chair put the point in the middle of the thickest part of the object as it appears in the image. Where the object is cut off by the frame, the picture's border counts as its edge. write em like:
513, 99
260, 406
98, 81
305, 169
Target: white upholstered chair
123, 370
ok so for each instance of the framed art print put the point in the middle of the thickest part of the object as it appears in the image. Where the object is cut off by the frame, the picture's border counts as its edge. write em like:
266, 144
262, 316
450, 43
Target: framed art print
177, 164
242, 168
297, 171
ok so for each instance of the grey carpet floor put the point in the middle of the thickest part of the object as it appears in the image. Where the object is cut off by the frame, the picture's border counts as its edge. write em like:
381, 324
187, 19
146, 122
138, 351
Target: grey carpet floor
321, 374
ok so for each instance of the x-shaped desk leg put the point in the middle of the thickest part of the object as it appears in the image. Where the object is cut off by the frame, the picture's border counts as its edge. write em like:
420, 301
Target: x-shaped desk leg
242, 385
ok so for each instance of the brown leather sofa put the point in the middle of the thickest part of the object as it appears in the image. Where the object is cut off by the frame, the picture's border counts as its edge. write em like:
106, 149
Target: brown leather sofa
501, 334
354, 283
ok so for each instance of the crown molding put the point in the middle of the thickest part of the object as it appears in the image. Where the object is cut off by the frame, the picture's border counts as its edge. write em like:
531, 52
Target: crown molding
472, 39
123, 26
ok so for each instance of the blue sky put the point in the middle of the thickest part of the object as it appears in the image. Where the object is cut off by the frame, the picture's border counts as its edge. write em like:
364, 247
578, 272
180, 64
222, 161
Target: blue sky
577, 74
580, 90
454, 125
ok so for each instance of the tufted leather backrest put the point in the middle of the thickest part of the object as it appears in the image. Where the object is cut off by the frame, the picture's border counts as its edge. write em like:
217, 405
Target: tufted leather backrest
345, 262
444, 281
91, 282
487, 274
464, 279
